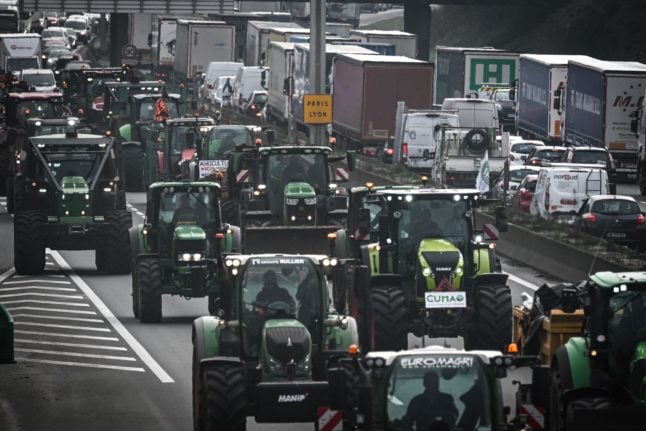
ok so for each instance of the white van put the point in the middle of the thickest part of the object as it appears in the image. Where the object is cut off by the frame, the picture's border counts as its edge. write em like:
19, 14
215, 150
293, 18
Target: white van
473, 113
222, 91
248, 79
561, 189
214, 70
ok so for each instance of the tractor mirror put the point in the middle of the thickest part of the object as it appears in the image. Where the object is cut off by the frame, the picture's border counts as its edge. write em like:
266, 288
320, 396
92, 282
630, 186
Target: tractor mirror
501, 219
338, 389
351, 157
364, 221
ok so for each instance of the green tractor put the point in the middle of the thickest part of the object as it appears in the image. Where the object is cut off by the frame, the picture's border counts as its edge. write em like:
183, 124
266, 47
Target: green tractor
413, 262
598, 379
287, 197
116, 104
68, 196
261, 355
179, 248
180, 151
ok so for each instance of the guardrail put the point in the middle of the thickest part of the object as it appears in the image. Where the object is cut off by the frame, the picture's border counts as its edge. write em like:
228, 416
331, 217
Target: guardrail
6, 336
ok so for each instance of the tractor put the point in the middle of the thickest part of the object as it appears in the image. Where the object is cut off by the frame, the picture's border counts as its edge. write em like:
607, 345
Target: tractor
18, 109
391, 391
261, 355
286, 198
181, 147
68, 196
116, 103
413, 262
178, 249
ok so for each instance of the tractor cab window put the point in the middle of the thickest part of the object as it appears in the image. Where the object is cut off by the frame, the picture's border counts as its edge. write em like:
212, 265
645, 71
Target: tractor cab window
49, 129
194, 206
223, 140
147, 109
182, 137
627, 324
375, 206
63, 165
36, 108
278, 287
283, 169
439, 392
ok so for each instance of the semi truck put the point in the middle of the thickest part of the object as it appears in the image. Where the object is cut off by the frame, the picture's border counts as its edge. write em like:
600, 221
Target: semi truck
601, 100
541, 82
364, 103
258, 40
405, 43
140, 28
462, 71
200, 42
281, 55
19, 51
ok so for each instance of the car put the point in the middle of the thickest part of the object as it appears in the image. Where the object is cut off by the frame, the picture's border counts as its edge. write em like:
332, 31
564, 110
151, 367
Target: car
522, 199
519, 149
39, 79
551, 153
55, 54
257, 101
61, 32
80, 26
506, 107
516, 175
594, 156
615, 218
53, 19
220, 95
53, 43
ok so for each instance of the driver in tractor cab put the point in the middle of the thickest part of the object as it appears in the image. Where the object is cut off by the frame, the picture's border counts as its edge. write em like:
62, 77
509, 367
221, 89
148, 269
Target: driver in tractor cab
293, 171
186, 214
161, 107
272, 292
421, 226
432, 409
455, 226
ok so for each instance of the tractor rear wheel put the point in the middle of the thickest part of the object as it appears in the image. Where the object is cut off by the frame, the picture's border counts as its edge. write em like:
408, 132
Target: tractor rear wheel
117, 242
388, 326
149, 283
492, 328
557, 413
583, 403
100, 258
225, 397
133, 162
29, 242
199, 397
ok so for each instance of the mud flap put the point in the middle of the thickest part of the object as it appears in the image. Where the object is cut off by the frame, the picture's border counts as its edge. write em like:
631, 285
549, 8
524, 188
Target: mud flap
281, 239
624, 418
290, 401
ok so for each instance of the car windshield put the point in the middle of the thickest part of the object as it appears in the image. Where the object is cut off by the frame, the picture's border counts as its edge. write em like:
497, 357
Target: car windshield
627, 323
17, 63
39, 79
502, 96
517, 175
282, 169
615, 206
260, 98
195, 206
76, 25
522, 148
551, 155
439, 392
293, 289
223, 139
592, 157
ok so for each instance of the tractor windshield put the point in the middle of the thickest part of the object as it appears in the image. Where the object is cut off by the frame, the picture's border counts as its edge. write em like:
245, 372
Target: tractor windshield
147, 109
279, 287
37, 108
181, 137
627, 323
283, 169
195, 206
439, 392
72, 164
223, 139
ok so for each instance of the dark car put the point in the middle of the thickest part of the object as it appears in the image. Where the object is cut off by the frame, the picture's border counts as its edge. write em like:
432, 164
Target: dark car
548, 152
522, 199
506, 108
613, 217
594, 156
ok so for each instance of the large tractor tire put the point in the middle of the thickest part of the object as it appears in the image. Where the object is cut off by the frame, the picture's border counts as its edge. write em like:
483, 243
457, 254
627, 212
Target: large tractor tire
133, 162
641, 178
199, 393
149, 283
29, 242
225, 397
388, 327
492, 328
583, 403
557, 408
100, 258
4, 167
135, 294
230, 213
117, 242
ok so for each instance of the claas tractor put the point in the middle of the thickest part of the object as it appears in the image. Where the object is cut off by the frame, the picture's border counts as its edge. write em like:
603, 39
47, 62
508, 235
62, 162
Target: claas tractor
18, 109
267, 350
430, 388
424, 269
178, 249
180, 152
287, 197
68, 196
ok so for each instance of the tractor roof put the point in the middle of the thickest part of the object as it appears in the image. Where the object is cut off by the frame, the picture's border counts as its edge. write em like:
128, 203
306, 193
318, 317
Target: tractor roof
427, 191
53, 121
607, 279
183, 184
151, 95
269, 258
32, 95
430, 351
81, 139
190, 121
295, 149
141, 84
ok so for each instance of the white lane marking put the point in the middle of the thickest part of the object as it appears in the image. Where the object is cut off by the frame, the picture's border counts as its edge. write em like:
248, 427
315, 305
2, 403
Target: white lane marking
48, 295
65, 318
82, 364
143, 354
8, 273
79, 345
52, 325
56, 310
36, 281
45, 276
522, 282
58, 334
55, 289
79, 355
37, 301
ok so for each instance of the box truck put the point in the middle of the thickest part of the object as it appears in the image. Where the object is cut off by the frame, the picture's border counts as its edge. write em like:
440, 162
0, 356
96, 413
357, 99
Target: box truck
258, 40
19, 51
405, 43
367, 89
281, 55
602, 99
10, 21
541, 81
200, 42
462, 72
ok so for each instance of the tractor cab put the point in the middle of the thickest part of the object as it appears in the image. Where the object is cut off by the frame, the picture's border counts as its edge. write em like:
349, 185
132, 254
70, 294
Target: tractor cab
19, 107
116, 103
52, 126
181, 146
85, 91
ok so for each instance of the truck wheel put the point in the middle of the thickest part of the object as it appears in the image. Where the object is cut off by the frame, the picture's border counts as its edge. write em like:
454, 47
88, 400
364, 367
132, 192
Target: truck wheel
133, 162
388, 329
29, 242
149, 283
492, 328
117, 242
225, 397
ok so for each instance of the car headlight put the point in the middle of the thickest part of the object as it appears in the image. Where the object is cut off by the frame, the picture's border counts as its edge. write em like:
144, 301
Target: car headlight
310, 201
290, 201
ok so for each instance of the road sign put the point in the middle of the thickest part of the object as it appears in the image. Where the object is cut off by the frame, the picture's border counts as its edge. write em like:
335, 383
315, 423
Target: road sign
129, 51
317, 109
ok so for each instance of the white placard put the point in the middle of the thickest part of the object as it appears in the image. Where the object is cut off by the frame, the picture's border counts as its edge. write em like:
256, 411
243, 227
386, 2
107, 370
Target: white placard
456, 299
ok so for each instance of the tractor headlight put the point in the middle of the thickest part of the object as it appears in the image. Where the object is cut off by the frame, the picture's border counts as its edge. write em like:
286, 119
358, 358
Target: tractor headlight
326, 262
107, 189
458, 270
232, 263
426, 272
276, 366
333, 262
310, 201
290, 201
42, 190
184, 257
87, 197
197, 257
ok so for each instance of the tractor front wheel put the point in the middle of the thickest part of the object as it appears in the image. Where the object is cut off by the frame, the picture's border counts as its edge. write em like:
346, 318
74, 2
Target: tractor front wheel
29, 242
225, 397
557, 411
388, 326
492, 328
117, 242
149, 283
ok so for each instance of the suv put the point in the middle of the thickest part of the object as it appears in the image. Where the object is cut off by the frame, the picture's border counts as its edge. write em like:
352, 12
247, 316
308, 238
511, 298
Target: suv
594, 156
81, 27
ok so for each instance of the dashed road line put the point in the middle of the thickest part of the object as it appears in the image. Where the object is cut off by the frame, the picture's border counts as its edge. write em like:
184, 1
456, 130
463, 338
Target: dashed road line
55, 289
53, 325
76, 354
58, 334
34, 301
47, 295
135, 210
55, 310
66, 318
82, 364
522, 282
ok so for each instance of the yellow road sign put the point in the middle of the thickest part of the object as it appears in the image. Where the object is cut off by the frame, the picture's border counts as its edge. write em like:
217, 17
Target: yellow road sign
317, 108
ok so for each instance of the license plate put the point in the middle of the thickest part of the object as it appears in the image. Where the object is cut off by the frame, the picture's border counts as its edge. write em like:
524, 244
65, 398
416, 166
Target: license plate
445, 299
616, 235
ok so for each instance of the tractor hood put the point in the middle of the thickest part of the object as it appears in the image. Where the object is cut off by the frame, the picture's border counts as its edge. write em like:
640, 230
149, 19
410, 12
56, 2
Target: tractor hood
441, 264
299, 191
189, 232
286, 349
74, 185
76, 201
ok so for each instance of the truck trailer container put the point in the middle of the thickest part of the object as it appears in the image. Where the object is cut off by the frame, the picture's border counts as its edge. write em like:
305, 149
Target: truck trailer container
405, 43
19, 51
280, 61
602, 99
258, 40
367, 89
200, 42
463, 71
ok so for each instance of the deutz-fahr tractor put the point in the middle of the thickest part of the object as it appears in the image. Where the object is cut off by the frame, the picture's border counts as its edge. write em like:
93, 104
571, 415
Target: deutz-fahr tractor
68, 196
286, 197
267, 351
19, 108
430, 388
425, 269
179, 248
